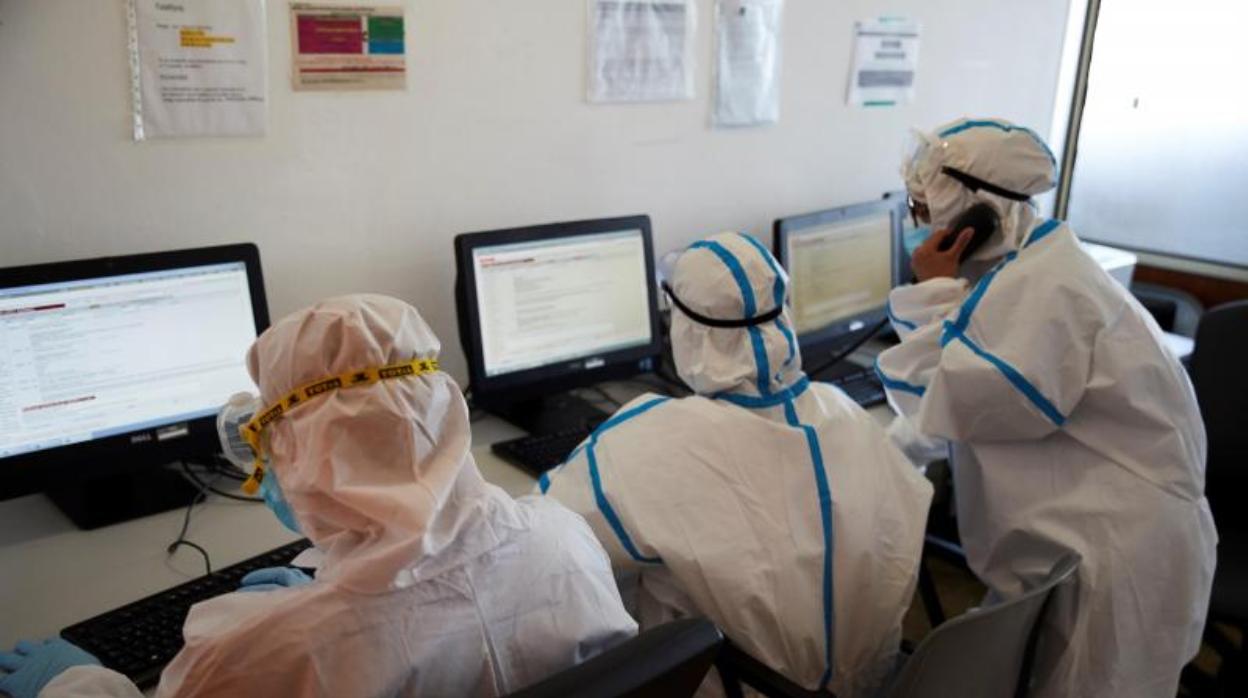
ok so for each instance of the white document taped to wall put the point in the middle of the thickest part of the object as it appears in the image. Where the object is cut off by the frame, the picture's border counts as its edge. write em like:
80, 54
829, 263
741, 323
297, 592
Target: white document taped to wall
747, 63
886, 59
198, 67
640, 50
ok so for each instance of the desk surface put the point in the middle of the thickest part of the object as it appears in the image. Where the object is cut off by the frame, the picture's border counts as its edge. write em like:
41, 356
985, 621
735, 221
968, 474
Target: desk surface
53, 575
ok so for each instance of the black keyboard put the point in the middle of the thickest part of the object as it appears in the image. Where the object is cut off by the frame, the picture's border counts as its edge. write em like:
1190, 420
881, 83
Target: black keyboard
861, 384
538, 453
139, 639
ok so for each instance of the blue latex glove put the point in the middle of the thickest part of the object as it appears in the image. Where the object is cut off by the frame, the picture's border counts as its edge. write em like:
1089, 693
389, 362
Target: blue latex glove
31, 665
271, 578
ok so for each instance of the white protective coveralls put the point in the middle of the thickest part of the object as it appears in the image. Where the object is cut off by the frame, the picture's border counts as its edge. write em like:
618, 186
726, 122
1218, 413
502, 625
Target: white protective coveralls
772, 505
435, 583
1068, 424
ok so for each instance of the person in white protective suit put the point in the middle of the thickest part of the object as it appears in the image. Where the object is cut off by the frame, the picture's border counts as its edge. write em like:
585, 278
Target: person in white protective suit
434, 583
1069, 426
772, 505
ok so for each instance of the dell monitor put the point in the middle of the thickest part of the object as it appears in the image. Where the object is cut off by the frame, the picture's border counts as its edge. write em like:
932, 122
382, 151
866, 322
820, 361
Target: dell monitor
841, 266
548, 308
115, 367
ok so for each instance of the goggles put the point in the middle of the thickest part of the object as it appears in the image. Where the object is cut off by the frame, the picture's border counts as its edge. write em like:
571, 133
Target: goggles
252, 432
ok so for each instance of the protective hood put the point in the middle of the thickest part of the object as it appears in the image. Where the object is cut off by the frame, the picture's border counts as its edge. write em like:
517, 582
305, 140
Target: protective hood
377, 476
731, 276
994, 151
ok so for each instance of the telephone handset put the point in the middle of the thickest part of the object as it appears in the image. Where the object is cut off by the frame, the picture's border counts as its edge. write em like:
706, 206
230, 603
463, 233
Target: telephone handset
982, 218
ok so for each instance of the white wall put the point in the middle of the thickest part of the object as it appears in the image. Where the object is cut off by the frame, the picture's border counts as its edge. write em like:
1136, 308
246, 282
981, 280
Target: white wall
364, 192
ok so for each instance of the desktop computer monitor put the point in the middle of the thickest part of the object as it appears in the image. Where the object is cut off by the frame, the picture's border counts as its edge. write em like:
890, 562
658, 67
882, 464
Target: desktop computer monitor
841, 266
547, 308
113, 367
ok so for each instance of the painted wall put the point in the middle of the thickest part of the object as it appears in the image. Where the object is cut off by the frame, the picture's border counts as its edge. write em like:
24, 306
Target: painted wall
364, 192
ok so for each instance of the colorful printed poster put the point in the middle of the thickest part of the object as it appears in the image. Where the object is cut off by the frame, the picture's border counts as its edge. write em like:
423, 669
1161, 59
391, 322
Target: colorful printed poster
198, 67
348, 47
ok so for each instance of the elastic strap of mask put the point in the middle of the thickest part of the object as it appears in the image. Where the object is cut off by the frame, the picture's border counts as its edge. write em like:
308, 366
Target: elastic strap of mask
253, 431
716, 322
975, 184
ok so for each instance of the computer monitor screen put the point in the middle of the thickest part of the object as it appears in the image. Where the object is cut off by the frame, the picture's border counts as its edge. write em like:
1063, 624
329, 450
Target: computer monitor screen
841, 267
556, 300
91, 358
550, 307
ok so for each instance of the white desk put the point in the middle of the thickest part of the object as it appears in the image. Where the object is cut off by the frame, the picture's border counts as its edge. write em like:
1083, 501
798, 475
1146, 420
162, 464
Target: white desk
53, 575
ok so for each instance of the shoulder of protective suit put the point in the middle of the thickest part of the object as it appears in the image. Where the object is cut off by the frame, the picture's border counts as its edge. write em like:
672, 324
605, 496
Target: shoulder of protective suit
649, 418
1050, 276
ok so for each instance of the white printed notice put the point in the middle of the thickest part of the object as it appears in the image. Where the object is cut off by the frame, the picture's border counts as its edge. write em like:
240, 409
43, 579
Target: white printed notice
747, 66
198, 67
640, 50
886, 58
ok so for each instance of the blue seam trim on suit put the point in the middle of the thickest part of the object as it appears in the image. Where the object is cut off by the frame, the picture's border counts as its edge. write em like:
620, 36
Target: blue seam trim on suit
896, 383
600, 497
747, 299
1017, 379
1042, 232
825, 515
888, 307
608, 511
953, 131
777, 295
751, 402
957, 331
968, 307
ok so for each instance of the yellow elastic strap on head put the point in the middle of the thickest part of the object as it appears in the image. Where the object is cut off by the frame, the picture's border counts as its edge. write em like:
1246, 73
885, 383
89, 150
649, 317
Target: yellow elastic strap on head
253, 431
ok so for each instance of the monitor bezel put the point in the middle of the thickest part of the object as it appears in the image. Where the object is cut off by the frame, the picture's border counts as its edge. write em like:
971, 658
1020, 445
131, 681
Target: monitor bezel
37, 471
526, 384
837, 331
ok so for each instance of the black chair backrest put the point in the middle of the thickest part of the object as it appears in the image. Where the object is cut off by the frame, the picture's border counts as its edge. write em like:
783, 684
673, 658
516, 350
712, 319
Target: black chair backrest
1221, 381
668, 661
736, 668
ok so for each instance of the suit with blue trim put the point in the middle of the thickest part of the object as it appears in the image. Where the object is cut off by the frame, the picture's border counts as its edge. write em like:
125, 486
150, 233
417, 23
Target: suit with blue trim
1070, 429
775, 506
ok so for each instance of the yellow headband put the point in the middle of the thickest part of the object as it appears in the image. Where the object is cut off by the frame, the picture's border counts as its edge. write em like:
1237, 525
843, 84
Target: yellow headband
253, 431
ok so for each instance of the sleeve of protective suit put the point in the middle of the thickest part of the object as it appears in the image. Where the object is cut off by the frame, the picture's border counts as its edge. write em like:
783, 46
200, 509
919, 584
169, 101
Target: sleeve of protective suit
580, 486
914, 306
572, 486
1013, 372
916, 312
90, 682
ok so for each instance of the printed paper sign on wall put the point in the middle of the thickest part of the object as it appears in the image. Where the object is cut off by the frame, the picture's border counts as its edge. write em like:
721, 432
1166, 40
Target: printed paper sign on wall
640, 50
197, 67
886, 58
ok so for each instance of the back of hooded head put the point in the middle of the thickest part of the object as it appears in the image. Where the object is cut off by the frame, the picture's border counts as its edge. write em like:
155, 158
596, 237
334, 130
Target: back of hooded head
731, 276
367, 470
970, 161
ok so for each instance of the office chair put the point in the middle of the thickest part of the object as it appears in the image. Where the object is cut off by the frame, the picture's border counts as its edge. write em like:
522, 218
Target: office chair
736, 668
668, 661
1174, 310
1221, 382
985, 652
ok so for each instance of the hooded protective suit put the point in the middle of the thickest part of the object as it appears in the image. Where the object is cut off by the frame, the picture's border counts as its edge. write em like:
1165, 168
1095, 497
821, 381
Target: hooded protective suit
434, 583
770, 504
1068, 424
